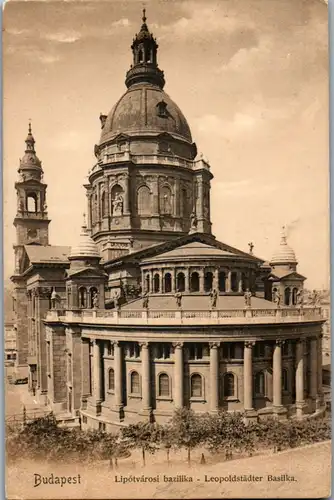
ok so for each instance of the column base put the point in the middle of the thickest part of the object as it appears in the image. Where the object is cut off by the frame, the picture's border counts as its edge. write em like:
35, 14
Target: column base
146, 412
251, 415
119, 411
301, 408
319, 402
280, 412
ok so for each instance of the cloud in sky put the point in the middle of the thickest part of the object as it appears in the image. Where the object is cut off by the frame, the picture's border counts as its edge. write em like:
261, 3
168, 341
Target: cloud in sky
63, 37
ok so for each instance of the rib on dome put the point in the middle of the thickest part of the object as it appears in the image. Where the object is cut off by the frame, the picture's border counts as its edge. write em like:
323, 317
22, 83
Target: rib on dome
284, 254
86, 247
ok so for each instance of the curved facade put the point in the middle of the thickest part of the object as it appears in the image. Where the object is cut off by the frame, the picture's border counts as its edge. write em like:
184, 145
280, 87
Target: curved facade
149, 312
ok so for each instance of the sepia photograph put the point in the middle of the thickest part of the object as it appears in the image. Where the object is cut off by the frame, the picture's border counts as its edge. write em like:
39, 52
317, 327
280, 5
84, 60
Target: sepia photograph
166, 249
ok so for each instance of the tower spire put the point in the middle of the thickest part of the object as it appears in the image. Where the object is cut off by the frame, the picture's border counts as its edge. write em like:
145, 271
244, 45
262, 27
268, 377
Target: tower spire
145, 66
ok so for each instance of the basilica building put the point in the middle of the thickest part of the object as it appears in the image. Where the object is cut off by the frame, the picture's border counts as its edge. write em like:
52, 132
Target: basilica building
148, 312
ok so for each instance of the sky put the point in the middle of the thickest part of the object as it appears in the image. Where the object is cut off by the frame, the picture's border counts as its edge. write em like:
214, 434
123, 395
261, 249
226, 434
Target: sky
251, 77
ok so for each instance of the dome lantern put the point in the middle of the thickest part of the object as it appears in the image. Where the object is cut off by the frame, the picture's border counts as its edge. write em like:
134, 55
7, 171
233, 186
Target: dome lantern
145, 66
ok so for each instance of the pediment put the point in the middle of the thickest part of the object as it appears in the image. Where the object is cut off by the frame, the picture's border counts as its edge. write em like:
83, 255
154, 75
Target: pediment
293, 275
121, 137
86, 272
156, 250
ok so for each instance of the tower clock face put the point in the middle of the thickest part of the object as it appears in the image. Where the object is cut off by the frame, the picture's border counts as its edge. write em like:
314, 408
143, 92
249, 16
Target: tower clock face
32, 233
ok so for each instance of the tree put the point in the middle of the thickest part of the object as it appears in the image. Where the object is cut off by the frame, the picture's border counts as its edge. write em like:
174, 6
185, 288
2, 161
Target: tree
143, 435
166, 438
188, 430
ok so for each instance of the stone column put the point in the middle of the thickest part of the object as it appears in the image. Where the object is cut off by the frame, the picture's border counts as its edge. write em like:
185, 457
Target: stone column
118, 375
239, 281
173, 280
155, 191
277, 376
201, 280
300, 402
126, 195
187, 280
85, 372
216, 278
214, 376
314, 368
248, 376
146, 379
228, 281
97, 372
178, 374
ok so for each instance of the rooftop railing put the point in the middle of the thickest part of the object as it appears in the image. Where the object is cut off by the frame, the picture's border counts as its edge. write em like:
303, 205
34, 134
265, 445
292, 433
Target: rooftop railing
184, 317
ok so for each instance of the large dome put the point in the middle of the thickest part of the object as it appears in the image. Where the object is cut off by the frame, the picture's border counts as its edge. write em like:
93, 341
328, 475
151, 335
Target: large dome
145, 109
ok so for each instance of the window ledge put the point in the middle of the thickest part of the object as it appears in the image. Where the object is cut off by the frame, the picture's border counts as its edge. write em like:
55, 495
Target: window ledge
134, 396
194, 399
232, 398
110, 392
164, 398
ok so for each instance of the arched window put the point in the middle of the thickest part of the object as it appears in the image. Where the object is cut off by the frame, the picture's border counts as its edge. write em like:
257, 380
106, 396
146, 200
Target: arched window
111, 380
222, 281
156, 283
164, 385
229, 389
287, 296
244, 282
208, 281
285, 381
294, 296
180, 282
134, 383
234, 282
165, 200
147, 283
167, 283
196, 386
144, 201
273, 294
194, 282
259, 384
140, 56
83, 297
185, 210
104, 204
92, 293
32, 202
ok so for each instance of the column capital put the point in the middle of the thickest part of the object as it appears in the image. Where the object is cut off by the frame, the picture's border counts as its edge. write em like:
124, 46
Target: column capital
144, 345
214, 345
249, 343
115, 343
280, 342
178, 345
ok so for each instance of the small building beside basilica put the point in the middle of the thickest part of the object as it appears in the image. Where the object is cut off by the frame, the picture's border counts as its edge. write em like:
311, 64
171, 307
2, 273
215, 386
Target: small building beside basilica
149, 312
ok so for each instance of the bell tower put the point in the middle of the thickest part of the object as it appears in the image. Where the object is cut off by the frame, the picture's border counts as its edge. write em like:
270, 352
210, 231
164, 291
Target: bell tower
31, 220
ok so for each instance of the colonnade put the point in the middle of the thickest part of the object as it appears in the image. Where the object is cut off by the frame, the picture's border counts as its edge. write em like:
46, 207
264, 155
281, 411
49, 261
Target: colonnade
214, 374
195, 279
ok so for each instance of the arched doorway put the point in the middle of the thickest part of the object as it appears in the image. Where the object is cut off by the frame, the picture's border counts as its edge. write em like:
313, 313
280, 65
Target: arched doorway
222, 281
180, 282
156, 283
287, 293
194, 282
208, 281
167, 283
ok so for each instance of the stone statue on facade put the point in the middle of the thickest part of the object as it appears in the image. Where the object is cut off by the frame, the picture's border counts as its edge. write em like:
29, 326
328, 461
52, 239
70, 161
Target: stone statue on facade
277, 298
193, 221
213, 297
300, 298
178, 297
145, 300
315, 299
96, 301
54, 299
248, 298
117, 204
